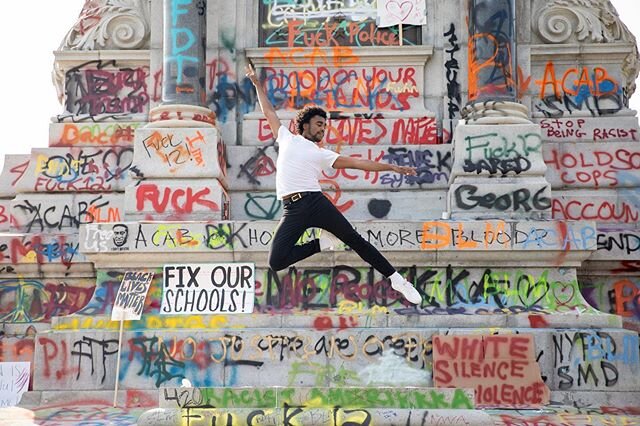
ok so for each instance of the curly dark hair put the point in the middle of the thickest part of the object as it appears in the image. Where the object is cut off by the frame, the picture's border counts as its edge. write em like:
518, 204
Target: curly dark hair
306, 114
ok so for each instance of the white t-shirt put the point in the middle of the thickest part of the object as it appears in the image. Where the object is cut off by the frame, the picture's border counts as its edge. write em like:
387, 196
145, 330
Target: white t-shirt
300, 163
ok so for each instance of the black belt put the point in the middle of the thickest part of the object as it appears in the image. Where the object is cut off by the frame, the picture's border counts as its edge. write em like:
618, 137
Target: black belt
292, 198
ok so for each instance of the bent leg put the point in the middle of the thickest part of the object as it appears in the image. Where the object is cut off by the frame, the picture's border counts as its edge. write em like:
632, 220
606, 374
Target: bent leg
329, 217
283, 251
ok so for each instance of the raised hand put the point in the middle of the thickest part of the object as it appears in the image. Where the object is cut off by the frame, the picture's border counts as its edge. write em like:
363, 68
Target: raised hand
251, 73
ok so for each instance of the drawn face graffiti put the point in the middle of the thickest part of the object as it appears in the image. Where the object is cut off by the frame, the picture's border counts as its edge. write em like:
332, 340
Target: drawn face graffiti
120, 235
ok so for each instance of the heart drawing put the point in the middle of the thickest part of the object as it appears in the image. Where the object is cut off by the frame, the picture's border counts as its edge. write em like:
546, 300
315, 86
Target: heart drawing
399, 10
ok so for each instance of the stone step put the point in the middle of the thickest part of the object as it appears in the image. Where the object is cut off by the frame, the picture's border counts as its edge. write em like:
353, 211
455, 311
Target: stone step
607, 207
126, 398
73, 169
40, 252
136, 407
569, 360
179, 153
585, 129
5, 214
177, 199
92, 134
397, 128
534, 297
253, 168
64, 212
355, 205
312, 416
31, 300
15, 165
344, 397
378, 317
74, 408
600, 166
487, 239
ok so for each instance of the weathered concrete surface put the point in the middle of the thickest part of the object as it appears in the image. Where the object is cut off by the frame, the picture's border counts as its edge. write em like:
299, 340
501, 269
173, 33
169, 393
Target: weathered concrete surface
606, 206
617, 294
348, 397
403, 243
349, 290
397, 70
125, 398
599, 166
616, 244
521, 279
77, 169
18, 250
462, 236
585, 360
510, 197
26, 300
559, 90
569, 415
179, 153
382, 128
354, 205
497, 151
193, 199
55, 213
92, 134
17, 348
253, 168
314, 416
498, 172
590, 129
14, 168
5, 215
75, 408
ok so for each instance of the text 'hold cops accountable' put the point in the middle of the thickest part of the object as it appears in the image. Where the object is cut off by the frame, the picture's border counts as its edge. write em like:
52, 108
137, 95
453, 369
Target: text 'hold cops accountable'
212, 288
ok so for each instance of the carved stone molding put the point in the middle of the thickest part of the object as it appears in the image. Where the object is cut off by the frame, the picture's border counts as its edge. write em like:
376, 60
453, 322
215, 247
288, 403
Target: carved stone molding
594, 21
106, 25
110, 24
586, 21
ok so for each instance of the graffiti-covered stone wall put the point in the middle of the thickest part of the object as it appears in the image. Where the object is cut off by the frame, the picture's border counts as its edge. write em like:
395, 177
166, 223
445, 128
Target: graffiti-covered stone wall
522, 217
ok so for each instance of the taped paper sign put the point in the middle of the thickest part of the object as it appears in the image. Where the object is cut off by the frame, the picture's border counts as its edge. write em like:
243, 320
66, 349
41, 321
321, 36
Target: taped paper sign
208, 289
501, 368
14, 381
133, 290
407, 12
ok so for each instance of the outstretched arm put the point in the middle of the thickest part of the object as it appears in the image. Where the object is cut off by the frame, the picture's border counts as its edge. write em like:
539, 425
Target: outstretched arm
343, 162
266, 106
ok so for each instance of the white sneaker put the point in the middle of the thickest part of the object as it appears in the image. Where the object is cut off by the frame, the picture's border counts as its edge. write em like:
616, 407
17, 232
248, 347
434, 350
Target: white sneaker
328, 241
408, 291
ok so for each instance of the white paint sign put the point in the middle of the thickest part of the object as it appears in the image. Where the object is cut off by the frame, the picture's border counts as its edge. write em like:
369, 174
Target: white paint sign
395, 12
14, 381
212, 288
133, 290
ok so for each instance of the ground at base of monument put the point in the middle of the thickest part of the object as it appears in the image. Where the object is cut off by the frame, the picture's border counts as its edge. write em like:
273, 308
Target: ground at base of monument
95, 415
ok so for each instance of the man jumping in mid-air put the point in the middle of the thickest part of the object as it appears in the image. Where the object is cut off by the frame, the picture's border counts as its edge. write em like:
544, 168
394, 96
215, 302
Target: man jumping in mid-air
299, 167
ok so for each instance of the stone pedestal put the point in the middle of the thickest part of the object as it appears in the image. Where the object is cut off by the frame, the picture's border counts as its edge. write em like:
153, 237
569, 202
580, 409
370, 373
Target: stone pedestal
498, 172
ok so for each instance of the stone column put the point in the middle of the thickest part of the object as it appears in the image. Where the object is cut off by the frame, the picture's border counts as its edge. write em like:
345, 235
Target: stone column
493, 86
498, 170
184, 67
179, 159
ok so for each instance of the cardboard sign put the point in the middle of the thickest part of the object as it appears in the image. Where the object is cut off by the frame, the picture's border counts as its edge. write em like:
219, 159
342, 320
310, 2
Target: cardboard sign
208, 289
501, 368
14, 381
395, 12
131, 295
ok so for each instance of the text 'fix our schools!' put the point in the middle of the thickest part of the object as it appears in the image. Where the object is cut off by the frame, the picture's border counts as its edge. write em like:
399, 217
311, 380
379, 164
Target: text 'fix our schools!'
214, 288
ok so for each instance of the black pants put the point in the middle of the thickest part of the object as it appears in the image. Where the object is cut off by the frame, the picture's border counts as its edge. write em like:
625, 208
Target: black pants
314, 210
